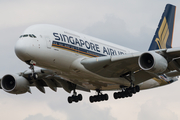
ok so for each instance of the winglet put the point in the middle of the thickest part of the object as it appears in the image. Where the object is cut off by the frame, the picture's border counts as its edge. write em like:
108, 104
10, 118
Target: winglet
164, 33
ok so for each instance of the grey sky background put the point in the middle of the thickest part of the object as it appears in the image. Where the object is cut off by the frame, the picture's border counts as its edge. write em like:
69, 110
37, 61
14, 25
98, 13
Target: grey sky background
130, 23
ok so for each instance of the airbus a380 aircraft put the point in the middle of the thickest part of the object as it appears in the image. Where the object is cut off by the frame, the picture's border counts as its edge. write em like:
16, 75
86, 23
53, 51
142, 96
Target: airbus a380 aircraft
75, 61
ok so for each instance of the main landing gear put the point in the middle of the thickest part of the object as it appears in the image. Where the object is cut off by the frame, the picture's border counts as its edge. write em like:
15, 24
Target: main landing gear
75, 98
126, 92
99, 97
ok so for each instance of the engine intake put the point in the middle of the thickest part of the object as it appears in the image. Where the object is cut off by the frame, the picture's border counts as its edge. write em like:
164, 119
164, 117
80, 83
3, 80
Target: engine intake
14, 84
152, 62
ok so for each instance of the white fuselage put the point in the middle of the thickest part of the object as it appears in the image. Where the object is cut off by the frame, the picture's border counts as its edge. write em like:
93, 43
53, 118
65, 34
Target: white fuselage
61, 50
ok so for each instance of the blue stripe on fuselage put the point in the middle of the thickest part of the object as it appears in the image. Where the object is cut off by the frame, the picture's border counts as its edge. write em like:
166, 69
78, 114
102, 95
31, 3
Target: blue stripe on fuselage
76, 49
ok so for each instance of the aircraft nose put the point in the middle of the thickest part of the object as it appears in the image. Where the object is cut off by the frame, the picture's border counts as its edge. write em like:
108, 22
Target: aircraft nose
20, 50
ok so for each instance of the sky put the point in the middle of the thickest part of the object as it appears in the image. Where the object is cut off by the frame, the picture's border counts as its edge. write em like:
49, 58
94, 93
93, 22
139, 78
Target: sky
130, 23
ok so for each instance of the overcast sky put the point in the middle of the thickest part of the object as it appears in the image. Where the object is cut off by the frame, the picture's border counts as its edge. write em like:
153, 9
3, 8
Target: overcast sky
131, 23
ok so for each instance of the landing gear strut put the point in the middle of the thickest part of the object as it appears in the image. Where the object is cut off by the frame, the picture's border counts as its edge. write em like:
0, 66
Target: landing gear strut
127, 92
33, 75
99, 97
76, 98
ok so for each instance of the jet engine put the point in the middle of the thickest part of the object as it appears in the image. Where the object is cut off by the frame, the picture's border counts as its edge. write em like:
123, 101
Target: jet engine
152, 62
14, 84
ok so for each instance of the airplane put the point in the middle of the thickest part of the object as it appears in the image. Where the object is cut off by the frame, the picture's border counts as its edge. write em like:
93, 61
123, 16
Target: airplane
74, 61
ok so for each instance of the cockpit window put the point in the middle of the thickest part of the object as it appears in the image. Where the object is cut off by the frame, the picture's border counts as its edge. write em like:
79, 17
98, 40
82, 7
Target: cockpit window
25, 35
34, 36
28, 35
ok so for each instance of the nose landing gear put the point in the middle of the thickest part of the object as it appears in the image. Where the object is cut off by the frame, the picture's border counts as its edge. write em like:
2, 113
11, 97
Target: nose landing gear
33, 75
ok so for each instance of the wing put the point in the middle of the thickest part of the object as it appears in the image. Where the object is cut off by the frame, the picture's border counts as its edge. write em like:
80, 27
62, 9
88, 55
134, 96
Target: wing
112, 66
46, 78
126, 65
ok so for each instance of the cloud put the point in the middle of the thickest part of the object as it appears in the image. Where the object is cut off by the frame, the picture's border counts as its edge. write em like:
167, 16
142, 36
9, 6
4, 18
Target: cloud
50, 106
29, 105
115, 30
156, 110
39, 117
9, 62
82, 111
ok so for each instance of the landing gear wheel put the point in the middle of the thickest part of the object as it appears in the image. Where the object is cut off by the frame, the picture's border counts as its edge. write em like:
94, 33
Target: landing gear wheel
75, 98
137, 88
98, 98
133, 90
79, 97
130, 95
35, 76
115, 95
69, 99
91, 99
126, 92
106, 96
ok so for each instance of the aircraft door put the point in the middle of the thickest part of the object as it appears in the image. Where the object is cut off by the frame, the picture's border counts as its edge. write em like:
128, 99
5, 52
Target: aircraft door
77, 50
48, 42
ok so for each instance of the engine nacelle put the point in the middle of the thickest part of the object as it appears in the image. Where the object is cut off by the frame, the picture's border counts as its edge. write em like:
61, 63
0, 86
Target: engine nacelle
14, 84
152, 62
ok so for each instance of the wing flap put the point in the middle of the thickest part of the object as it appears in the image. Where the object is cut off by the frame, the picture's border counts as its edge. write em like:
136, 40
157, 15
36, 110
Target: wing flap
142, 76
173, 73
51, 79
173, 52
